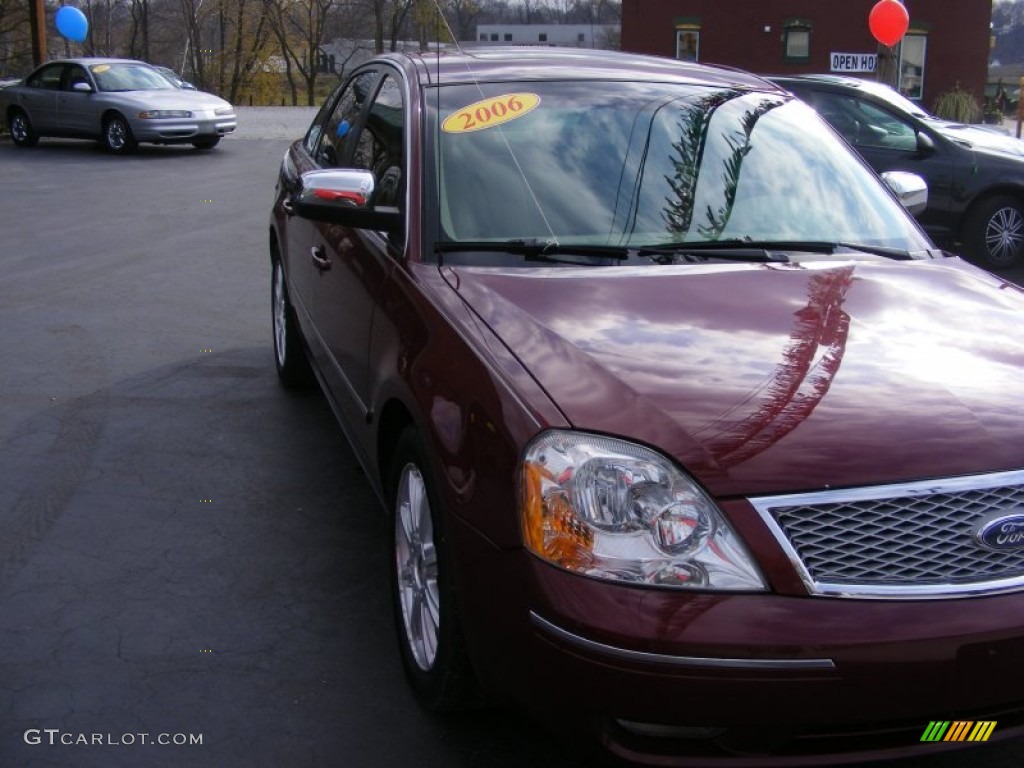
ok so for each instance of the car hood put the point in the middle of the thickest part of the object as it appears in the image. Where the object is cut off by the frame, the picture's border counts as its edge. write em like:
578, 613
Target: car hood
171, 98
985, 139
766, 378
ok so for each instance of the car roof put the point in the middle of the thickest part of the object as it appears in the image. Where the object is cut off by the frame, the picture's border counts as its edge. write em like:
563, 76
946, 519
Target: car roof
496, 64
89, 61
871, 87
830, 79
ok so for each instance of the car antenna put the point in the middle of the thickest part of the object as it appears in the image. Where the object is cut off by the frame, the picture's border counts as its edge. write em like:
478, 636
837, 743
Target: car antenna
529, 187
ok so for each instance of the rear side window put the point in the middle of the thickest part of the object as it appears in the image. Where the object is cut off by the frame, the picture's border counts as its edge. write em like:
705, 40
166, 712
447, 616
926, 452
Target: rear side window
47, 77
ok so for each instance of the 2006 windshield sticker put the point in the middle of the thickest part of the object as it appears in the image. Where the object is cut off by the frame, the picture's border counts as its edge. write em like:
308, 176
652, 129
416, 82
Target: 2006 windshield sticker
490, 112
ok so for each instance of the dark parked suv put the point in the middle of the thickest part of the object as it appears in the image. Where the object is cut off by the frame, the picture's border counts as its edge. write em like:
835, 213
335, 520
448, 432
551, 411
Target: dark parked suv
657, 382
975, 174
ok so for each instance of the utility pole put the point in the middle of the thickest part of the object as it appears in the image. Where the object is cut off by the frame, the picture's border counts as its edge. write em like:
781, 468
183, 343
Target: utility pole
37, 20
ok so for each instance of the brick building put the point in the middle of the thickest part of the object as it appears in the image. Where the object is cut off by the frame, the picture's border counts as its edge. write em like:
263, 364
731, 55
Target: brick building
947, 43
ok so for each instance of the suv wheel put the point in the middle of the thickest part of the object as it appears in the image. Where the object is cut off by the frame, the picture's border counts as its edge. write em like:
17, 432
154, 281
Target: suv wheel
994, 233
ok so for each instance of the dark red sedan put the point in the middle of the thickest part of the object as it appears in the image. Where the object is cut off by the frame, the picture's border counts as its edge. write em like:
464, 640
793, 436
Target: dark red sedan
690, 437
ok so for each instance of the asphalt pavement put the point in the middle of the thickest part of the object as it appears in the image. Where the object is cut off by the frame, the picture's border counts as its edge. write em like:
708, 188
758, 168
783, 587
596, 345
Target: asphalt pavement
188, 553
186, 550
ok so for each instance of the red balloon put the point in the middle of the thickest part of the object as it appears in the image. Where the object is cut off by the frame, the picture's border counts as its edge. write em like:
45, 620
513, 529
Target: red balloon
888, 21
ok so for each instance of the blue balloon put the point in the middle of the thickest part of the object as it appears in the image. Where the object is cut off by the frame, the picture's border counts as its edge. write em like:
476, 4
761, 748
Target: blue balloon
72, 23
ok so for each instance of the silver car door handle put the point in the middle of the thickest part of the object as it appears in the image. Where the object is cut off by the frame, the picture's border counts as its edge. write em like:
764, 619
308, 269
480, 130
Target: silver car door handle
319, 256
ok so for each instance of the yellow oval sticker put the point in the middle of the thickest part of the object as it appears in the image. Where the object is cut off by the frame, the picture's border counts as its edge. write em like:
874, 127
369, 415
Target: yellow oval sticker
100, 68
490, 112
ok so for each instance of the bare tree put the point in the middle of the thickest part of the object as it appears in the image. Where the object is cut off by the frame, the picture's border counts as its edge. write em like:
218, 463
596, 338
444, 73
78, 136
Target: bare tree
300, 26
245, 42
463, 16
15, 38
138, 44
196, 55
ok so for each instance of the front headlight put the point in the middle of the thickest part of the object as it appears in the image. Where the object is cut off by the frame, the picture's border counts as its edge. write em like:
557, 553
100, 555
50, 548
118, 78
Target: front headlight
221, 111
153, 114
615, 510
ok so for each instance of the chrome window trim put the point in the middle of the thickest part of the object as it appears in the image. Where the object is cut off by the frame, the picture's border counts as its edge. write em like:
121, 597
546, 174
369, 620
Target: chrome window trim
705, 662
764, 505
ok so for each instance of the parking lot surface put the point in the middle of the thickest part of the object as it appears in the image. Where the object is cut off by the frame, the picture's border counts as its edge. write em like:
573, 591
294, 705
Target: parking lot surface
186, 550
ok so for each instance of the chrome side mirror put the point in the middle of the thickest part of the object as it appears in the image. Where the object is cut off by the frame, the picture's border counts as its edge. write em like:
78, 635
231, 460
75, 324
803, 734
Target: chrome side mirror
81, 87
344, 196
910, 189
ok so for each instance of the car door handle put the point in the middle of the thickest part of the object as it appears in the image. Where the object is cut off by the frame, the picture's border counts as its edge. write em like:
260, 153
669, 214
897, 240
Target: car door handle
319, 256
288, 207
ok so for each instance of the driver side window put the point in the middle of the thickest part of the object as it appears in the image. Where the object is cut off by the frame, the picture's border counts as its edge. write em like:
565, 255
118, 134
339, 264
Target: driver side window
74, 74
865, 125
380, 146
343, 121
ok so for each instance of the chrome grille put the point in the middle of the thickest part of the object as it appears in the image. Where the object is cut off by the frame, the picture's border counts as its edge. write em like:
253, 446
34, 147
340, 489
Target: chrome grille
910, 540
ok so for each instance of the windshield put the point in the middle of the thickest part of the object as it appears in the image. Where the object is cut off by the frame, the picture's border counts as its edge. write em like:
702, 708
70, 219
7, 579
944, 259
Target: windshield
643, 164
129, 77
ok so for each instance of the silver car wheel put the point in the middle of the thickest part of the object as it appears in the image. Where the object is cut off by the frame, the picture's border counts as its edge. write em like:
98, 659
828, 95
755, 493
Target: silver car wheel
116, 134
1004, 236
280, 317
19, 128
416, 561
22, 132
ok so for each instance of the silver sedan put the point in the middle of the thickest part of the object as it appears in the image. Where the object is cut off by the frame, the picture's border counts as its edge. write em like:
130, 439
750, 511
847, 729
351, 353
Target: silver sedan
118, 101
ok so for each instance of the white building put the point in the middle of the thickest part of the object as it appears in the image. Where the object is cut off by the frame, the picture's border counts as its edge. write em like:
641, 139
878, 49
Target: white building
566, 35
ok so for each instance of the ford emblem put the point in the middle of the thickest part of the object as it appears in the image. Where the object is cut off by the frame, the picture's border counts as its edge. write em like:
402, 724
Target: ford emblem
1002, 533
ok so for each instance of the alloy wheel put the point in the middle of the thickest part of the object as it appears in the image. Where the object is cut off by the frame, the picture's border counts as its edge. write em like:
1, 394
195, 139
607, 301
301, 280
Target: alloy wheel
416, 561
1004, 236
280, 317
19, 128
117, 135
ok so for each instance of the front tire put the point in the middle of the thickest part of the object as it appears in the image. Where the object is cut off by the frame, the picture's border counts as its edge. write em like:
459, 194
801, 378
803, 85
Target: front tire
289, 355
994, 233
117, 136
426, 611
22, 132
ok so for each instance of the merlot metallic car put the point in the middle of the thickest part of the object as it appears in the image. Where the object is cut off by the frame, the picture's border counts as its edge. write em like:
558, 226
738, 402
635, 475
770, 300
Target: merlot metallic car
659, 385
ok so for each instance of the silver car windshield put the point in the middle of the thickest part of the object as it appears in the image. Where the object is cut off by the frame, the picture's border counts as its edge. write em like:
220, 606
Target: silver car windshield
129, 77
619, 163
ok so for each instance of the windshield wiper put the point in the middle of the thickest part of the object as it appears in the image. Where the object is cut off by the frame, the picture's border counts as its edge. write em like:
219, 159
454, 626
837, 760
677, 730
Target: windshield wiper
534, 249
772, 251
723, 250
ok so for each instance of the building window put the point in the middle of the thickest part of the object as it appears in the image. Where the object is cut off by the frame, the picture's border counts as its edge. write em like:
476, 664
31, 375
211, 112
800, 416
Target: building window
581, 38
912, 50
688, 44
494, 37
796, 41
542, 37
483, 37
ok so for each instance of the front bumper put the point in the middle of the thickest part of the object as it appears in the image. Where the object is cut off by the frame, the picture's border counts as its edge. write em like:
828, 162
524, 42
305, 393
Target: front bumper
173, 130
667, 678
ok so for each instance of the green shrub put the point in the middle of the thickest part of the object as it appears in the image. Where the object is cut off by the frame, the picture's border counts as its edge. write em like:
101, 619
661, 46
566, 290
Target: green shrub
958, 105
